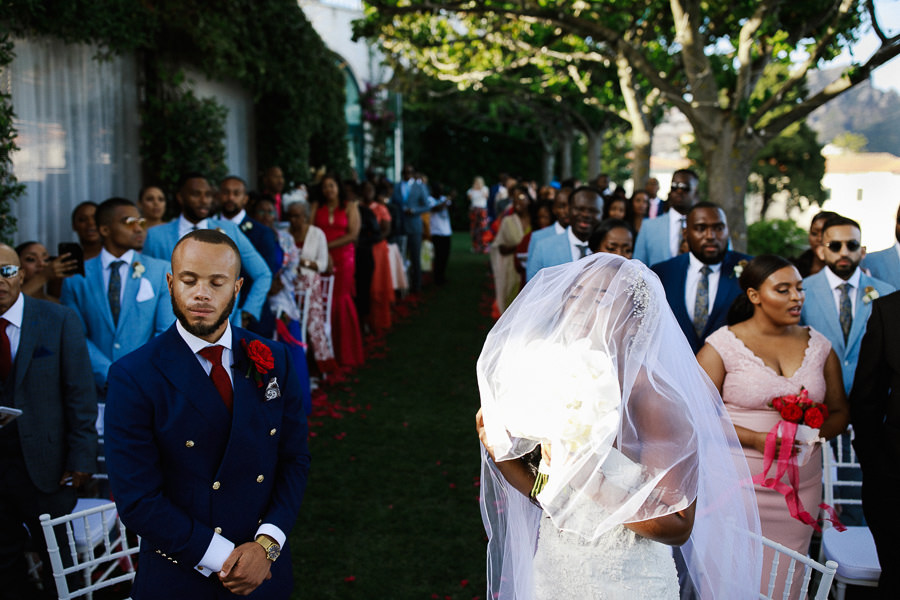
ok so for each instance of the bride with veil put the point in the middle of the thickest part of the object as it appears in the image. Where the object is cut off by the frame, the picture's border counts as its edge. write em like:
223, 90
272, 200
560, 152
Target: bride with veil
604, 444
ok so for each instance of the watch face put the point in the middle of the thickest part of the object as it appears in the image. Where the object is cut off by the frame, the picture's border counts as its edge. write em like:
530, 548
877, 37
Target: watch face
273, 552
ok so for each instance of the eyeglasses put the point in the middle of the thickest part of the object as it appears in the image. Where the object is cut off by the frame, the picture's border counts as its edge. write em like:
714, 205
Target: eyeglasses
132, 221
9, 271
852, 246
678, 185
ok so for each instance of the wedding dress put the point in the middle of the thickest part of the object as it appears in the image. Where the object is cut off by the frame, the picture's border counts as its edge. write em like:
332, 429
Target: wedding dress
619, 565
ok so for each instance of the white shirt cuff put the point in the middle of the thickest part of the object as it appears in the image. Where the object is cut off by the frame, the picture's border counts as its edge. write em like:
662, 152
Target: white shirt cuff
273, 532
216, 554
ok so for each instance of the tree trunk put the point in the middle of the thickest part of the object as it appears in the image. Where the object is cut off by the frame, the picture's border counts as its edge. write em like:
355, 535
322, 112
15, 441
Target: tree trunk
729, 160
595, 148
640, 121
641, 142
566, 139
548, 162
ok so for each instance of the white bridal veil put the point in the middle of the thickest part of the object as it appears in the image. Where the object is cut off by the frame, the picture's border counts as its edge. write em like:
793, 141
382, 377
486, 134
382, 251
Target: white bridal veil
590, 360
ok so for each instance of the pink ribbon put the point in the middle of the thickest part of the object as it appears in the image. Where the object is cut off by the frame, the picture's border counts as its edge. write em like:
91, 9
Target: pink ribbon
787, 463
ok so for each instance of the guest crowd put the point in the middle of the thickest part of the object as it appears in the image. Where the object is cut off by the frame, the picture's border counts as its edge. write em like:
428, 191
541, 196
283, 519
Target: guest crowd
762, 328
322, 269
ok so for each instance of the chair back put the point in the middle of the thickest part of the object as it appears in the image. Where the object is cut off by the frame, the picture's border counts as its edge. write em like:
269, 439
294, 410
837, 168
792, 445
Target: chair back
95, 541
797, 560
841, 474
327, 283
303, 303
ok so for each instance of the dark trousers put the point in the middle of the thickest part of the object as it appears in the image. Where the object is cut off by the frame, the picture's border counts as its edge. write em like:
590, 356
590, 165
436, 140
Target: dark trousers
441, 257
363, 271
879, 505
21, 505
414, 247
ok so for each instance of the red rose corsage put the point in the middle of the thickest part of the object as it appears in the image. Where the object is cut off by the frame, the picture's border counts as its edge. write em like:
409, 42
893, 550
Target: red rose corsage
261, 357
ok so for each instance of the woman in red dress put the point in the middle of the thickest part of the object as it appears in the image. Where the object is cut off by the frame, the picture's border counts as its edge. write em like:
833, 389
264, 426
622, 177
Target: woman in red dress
340, 222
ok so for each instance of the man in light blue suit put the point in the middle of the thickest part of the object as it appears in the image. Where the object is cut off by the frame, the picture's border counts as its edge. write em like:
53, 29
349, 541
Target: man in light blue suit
660, 238
560, 213
839, 297
122, 297
585, 209
195, 197
885, 264
412, 196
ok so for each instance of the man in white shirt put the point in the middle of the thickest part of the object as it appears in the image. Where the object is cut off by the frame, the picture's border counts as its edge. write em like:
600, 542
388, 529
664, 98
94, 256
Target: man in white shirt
656, 206
214, 488
839, 297
660, 239
585, 209
701, 284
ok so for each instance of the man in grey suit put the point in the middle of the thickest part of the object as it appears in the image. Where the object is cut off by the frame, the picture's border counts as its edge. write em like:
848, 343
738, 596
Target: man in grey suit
51, 449
885, 264
411, 195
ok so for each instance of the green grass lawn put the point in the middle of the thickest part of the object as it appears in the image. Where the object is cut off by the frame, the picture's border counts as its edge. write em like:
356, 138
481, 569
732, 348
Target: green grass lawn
391, 510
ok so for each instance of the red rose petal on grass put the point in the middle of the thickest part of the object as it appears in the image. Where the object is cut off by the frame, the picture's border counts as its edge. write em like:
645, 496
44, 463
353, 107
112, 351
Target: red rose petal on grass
464, 583
405, 424
350, 578
438, 462
434, 596
452, 486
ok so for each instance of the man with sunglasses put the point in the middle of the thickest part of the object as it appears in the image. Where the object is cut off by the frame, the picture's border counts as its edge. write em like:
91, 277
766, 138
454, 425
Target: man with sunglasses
122, 297
885, 264
660, 238
51, 449
839, 297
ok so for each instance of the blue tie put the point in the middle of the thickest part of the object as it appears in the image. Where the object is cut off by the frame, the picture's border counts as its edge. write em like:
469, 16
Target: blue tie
846, 313
115, 289
701, 304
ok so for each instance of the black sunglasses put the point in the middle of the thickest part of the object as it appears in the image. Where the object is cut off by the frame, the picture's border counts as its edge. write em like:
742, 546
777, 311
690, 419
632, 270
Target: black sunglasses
9, 271
677, 185
852, 246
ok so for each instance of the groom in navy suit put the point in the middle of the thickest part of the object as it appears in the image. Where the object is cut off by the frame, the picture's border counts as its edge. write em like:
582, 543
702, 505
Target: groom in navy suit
701, 284
206, 441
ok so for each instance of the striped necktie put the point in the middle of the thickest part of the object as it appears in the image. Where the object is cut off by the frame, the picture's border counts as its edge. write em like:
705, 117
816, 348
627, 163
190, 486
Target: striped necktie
701, 304
115, 289
846, 313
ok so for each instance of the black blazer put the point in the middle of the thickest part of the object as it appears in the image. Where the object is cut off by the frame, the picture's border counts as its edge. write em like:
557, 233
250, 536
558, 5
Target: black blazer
875, 397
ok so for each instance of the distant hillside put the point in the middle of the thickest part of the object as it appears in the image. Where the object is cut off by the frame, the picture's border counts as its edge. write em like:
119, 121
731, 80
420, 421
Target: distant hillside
865, 110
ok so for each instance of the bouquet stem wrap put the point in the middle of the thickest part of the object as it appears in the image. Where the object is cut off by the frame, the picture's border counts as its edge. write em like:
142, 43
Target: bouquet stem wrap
787, 463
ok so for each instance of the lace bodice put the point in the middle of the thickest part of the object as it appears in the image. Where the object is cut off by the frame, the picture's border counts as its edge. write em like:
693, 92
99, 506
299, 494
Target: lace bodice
619, 565
751, 384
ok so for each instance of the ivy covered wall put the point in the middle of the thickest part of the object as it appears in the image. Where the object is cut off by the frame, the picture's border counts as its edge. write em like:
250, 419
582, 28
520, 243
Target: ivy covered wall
267, 46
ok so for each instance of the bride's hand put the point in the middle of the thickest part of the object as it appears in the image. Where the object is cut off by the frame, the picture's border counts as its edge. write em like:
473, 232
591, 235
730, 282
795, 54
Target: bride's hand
482, 434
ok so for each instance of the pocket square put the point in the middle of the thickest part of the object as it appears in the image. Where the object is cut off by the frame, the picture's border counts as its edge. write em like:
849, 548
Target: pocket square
145, 292
40, 352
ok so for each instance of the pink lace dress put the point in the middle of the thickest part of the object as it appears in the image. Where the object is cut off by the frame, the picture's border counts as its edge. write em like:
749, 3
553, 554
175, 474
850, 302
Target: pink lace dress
748, 388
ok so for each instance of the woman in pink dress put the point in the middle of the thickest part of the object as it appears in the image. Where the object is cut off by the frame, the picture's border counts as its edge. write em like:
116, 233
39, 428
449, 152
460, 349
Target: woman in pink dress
340, 222
764, 353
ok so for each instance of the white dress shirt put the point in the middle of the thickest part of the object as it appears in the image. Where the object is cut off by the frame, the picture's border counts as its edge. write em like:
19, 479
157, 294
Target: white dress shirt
185, 226
897, 248
575, 244
834, 282
106, 261
14, 330
676, 224
238, 218
559, 229
693, 278
221, 547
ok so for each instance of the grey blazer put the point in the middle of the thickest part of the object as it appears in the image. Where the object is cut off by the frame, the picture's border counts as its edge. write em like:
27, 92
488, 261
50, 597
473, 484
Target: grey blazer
54, 388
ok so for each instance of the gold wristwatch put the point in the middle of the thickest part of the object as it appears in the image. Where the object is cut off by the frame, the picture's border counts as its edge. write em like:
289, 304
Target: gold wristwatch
273, 550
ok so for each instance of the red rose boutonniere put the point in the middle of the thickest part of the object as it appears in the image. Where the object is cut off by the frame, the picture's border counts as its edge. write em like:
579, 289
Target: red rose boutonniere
261, 357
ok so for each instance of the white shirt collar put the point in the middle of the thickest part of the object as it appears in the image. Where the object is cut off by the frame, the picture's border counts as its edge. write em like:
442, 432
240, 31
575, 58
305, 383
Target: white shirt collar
184, 225
106, 258
238, 218
675, 217
834, 281
696, 264
196, 344
15, 312
897, 248
559, 228
573, 240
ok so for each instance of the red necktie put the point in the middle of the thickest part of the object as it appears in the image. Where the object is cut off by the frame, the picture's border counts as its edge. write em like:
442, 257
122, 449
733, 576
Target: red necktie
5, 352
218, 374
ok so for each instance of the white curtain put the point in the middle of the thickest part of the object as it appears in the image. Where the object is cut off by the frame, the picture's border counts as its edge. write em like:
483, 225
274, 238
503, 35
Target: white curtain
77, 120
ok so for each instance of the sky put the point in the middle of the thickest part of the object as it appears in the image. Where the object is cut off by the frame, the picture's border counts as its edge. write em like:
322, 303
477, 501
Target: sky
887, 76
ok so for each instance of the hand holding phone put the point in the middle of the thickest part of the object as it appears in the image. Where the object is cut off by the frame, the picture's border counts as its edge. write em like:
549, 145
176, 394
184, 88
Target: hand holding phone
74, 263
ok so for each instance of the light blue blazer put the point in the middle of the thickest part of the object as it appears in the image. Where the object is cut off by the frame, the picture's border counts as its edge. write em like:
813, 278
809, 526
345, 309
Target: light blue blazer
535, 238
161, 241
821, 313
652, 245
884, 265
551, 251
142, 316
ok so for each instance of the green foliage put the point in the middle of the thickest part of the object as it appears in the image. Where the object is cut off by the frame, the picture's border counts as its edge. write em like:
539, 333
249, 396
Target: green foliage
10, 189
267, 46
776, 236
182, 133
790, 164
